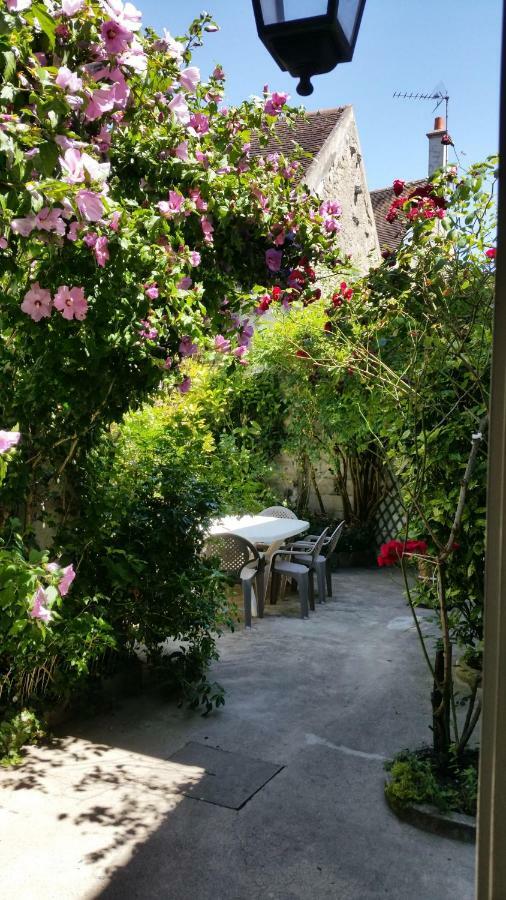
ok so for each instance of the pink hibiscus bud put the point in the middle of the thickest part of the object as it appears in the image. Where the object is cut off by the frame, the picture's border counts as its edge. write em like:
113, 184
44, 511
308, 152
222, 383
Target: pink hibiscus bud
68, 80
115, 37
398, 186
218, 73
179, 109
199, 122
202, 158
114, 221
273, 259
71, 302
71, 7
3, 243
151, 290
101, 251
40, 609
8, 439
90, 205
189, 78
186, 347
37, 302
66, 581
195, 258
181, 151
185, 283
221, 344
207, 229
168, 363
62, 32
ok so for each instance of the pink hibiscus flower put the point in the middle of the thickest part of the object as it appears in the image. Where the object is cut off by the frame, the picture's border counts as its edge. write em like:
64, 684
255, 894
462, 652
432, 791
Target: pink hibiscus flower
37, 302
8, 439
90, 205
40, 609
185, 385
71, 302
189, 78
186, 347
179, 109
207, 229
115, 37
200, 123
151, 291
101, 251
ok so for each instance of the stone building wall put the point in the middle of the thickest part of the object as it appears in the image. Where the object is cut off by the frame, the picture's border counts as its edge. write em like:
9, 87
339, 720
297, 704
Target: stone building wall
338, 173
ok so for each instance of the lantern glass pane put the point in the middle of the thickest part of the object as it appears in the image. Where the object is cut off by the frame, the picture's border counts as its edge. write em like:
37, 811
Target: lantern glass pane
347, 12
276, 11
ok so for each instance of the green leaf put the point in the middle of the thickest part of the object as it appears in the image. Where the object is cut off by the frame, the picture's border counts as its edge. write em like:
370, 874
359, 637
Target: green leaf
9, 67
48, 156
38, 15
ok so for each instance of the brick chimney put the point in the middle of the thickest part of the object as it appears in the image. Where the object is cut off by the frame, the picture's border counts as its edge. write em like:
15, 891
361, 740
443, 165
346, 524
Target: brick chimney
438, 152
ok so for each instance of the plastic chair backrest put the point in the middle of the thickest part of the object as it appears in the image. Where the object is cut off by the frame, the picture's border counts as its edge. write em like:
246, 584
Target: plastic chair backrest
278, 512
334, 538
319, 544
234, 552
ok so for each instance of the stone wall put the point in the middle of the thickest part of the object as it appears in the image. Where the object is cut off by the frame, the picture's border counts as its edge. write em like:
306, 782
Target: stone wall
285, 483
338, 173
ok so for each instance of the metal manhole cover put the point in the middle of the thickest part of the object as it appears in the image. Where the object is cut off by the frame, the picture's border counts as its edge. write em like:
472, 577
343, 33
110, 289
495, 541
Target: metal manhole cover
228, 779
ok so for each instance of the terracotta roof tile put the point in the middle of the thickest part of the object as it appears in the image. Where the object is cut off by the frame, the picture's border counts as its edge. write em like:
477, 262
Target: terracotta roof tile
390, 234
310, 133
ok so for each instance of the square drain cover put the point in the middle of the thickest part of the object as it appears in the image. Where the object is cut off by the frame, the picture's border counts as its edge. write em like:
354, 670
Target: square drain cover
229, 779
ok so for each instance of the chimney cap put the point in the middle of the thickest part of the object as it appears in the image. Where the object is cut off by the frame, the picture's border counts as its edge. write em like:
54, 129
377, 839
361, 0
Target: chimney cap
439, 123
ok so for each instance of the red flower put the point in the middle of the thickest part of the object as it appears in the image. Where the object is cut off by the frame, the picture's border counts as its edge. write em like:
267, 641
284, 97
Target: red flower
399, 186
393, 551
276, 292
302, 354
490, 253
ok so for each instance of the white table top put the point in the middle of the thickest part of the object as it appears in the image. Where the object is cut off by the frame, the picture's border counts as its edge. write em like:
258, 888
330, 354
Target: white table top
259, 529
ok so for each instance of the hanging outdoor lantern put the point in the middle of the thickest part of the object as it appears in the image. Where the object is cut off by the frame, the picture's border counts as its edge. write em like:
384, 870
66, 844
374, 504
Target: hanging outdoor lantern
308, 37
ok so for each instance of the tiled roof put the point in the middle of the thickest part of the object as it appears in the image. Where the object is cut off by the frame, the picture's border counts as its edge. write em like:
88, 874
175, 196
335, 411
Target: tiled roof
390, 234
311, 133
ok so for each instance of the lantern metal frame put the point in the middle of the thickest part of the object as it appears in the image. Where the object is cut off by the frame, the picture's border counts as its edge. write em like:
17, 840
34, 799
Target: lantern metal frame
308, 46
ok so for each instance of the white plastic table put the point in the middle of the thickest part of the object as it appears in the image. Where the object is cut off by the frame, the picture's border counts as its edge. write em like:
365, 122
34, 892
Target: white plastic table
260, 530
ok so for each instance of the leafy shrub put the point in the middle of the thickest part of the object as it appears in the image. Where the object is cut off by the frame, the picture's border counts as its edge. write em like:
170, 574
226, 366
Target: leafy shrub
416, 777
146, 508
17, 730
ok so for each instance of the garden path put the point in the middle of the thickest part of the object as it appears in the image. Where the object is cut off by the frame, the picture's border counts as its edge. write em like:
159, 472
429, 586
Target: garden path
101, 814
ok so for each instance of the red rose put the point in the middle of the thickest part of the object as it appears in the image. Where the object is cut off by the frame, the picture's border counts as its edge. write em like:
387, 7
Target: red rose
490, 253
399, 186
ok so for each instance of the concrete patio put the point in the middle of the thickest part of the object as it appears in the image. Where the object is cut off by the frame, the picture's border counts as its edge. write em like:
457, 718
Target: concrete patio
105, 813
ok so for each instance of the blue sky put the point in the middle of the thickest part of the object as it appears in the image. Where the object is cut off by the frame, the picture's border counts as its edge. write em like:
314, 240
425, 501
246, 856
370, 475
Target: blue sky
406, 45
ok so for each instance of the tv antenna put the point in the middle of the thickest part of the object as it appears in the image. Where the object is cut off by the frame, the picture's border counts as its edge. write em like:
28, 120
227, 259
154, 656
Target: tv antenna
439, 94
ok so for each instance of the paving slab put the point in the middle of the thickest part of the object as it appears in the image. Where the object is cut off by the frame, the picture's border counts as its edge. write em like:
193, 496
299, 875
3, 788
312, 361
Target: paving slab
112, 809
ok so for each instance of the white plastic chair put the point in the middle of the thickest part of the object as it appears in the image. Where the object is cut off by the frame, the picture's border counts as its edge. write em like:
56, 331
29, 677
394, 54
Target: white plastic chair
322, 564
243, 563
302, 573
